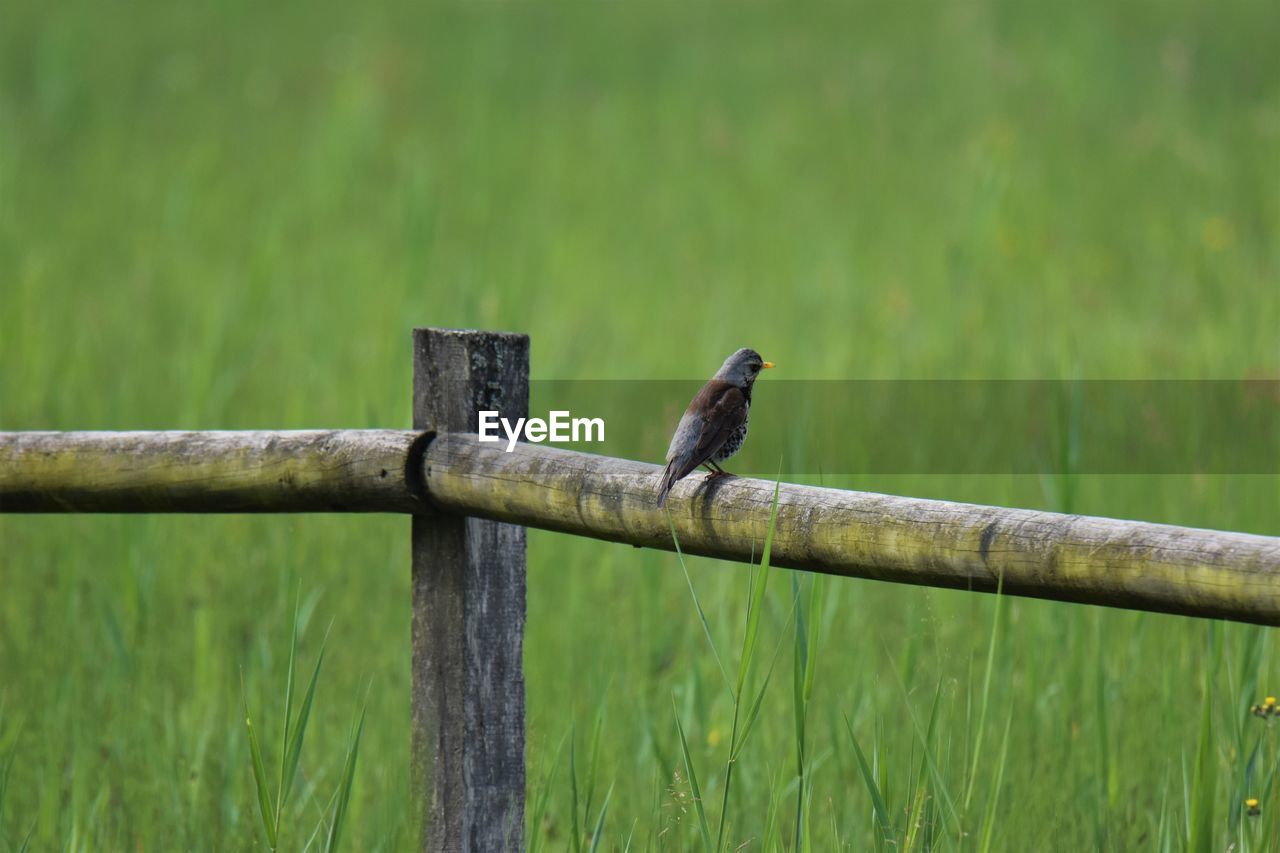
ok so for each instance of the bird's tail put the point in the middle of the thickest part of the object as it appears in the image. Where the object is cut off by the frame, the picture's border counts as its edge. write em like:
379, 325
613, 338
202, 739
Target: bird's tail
668, 480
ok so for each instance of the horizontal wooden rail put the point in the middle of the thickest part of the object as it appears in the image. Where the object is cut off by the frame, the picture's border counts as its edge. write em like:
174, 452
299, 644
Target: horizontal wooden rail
358, 470
1128, 564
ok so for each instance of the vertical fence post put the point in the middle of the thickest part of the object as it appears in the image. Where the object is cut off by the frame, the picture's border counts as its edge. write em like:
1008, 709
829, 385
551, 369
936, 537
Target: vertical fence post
468, 612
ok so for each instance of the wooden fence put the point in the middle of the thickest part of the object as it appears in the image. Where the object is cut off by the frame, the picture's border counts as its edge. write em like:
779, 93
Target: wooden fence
471, 502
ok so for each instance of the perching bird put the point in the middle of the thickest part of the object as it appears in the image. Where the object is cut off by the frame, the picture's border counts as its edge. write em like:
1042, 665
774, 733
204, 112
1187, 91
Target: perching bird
715, 424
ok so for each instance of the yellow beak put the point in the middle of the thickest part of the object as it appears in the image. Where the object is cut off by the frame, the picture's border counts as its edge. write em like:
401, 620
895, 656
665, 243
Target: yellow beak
769, 364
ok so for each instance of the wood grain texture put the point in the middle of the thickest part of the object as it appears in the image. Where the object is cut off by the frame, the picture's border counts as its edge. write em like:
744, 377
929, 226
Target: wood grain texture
293, 471
1104, 561
469, 613
858, 534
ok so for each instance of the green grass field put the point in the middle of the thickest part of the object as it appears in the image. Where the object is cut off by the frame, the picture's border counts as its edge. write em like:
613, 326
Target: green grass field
231, 215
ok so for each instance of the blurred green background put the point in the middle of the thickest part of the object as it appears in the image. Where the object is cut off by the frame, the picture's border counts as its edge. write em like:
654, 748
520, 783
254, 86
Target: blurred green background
230, 215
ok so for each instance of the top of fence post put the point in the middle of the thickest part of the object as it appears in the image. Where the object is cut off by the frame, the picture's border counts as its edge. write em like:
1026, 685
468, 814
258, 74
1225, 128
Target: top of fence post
468, 612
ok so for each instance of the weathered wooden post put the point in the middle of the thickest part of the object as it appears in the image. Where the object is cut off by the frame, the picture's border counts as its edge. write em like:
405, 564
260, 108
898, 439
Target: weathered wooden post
468, 612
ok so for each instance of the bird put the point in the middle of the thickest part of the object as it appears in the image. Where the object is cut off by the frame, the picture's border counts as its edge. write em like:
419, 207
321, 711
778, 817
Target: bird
714, 426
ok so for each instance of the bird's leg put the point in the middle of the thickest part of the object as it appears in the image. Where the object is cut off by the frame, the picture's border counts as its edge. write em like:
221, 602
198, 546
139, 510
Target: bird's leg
716, 470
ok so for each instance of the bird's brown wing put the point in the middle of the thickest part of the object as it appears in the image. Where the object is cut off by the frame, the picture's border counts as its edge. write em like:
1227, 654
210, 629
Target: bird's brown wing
723, 408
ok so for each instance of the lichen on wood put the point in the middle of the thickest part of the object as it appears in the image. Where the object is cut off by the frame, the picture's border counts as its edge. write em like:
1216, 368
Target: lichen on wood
1105, 561
858, 534
288, 471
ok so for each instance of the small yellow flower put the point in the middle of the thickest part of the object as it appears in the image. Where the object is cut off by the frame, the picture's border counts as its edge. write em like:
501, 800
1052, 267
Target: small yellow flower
1271, 702
1251, 806
713, 738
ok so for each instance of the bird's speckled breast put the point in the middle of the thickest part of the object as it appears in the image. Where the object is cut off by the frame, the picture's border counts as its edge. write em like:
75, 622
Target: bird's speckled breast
734, 443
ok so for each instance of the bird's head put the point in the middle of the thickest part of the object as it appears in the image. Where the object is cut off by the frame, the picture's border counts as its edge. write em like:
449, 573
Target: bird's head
742, 368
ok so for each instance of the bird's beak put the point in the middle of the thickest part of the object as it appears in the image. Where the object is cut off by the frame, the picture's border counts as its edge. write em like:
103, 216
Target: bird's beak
769, 364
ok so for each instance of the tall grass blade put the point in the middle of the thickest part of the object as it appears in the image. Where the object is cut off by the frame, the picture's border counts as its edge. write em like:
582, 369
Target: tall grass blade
703, 826
986, 692
914, 820
26, 842
925, 737
817, 605
1246, 693
728, 773
598, 831
702, 616
573, 789
753, 713
757, 596
1186, 800
772, 830
286, 734
1104, 801
594, 758
799, 667
997, 785
754, 605
343, 799
878, 806
1164, 832
322, 825
265, 809
5, 775
816, 602
921, 802
1204, 783
540, 810
299, 729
